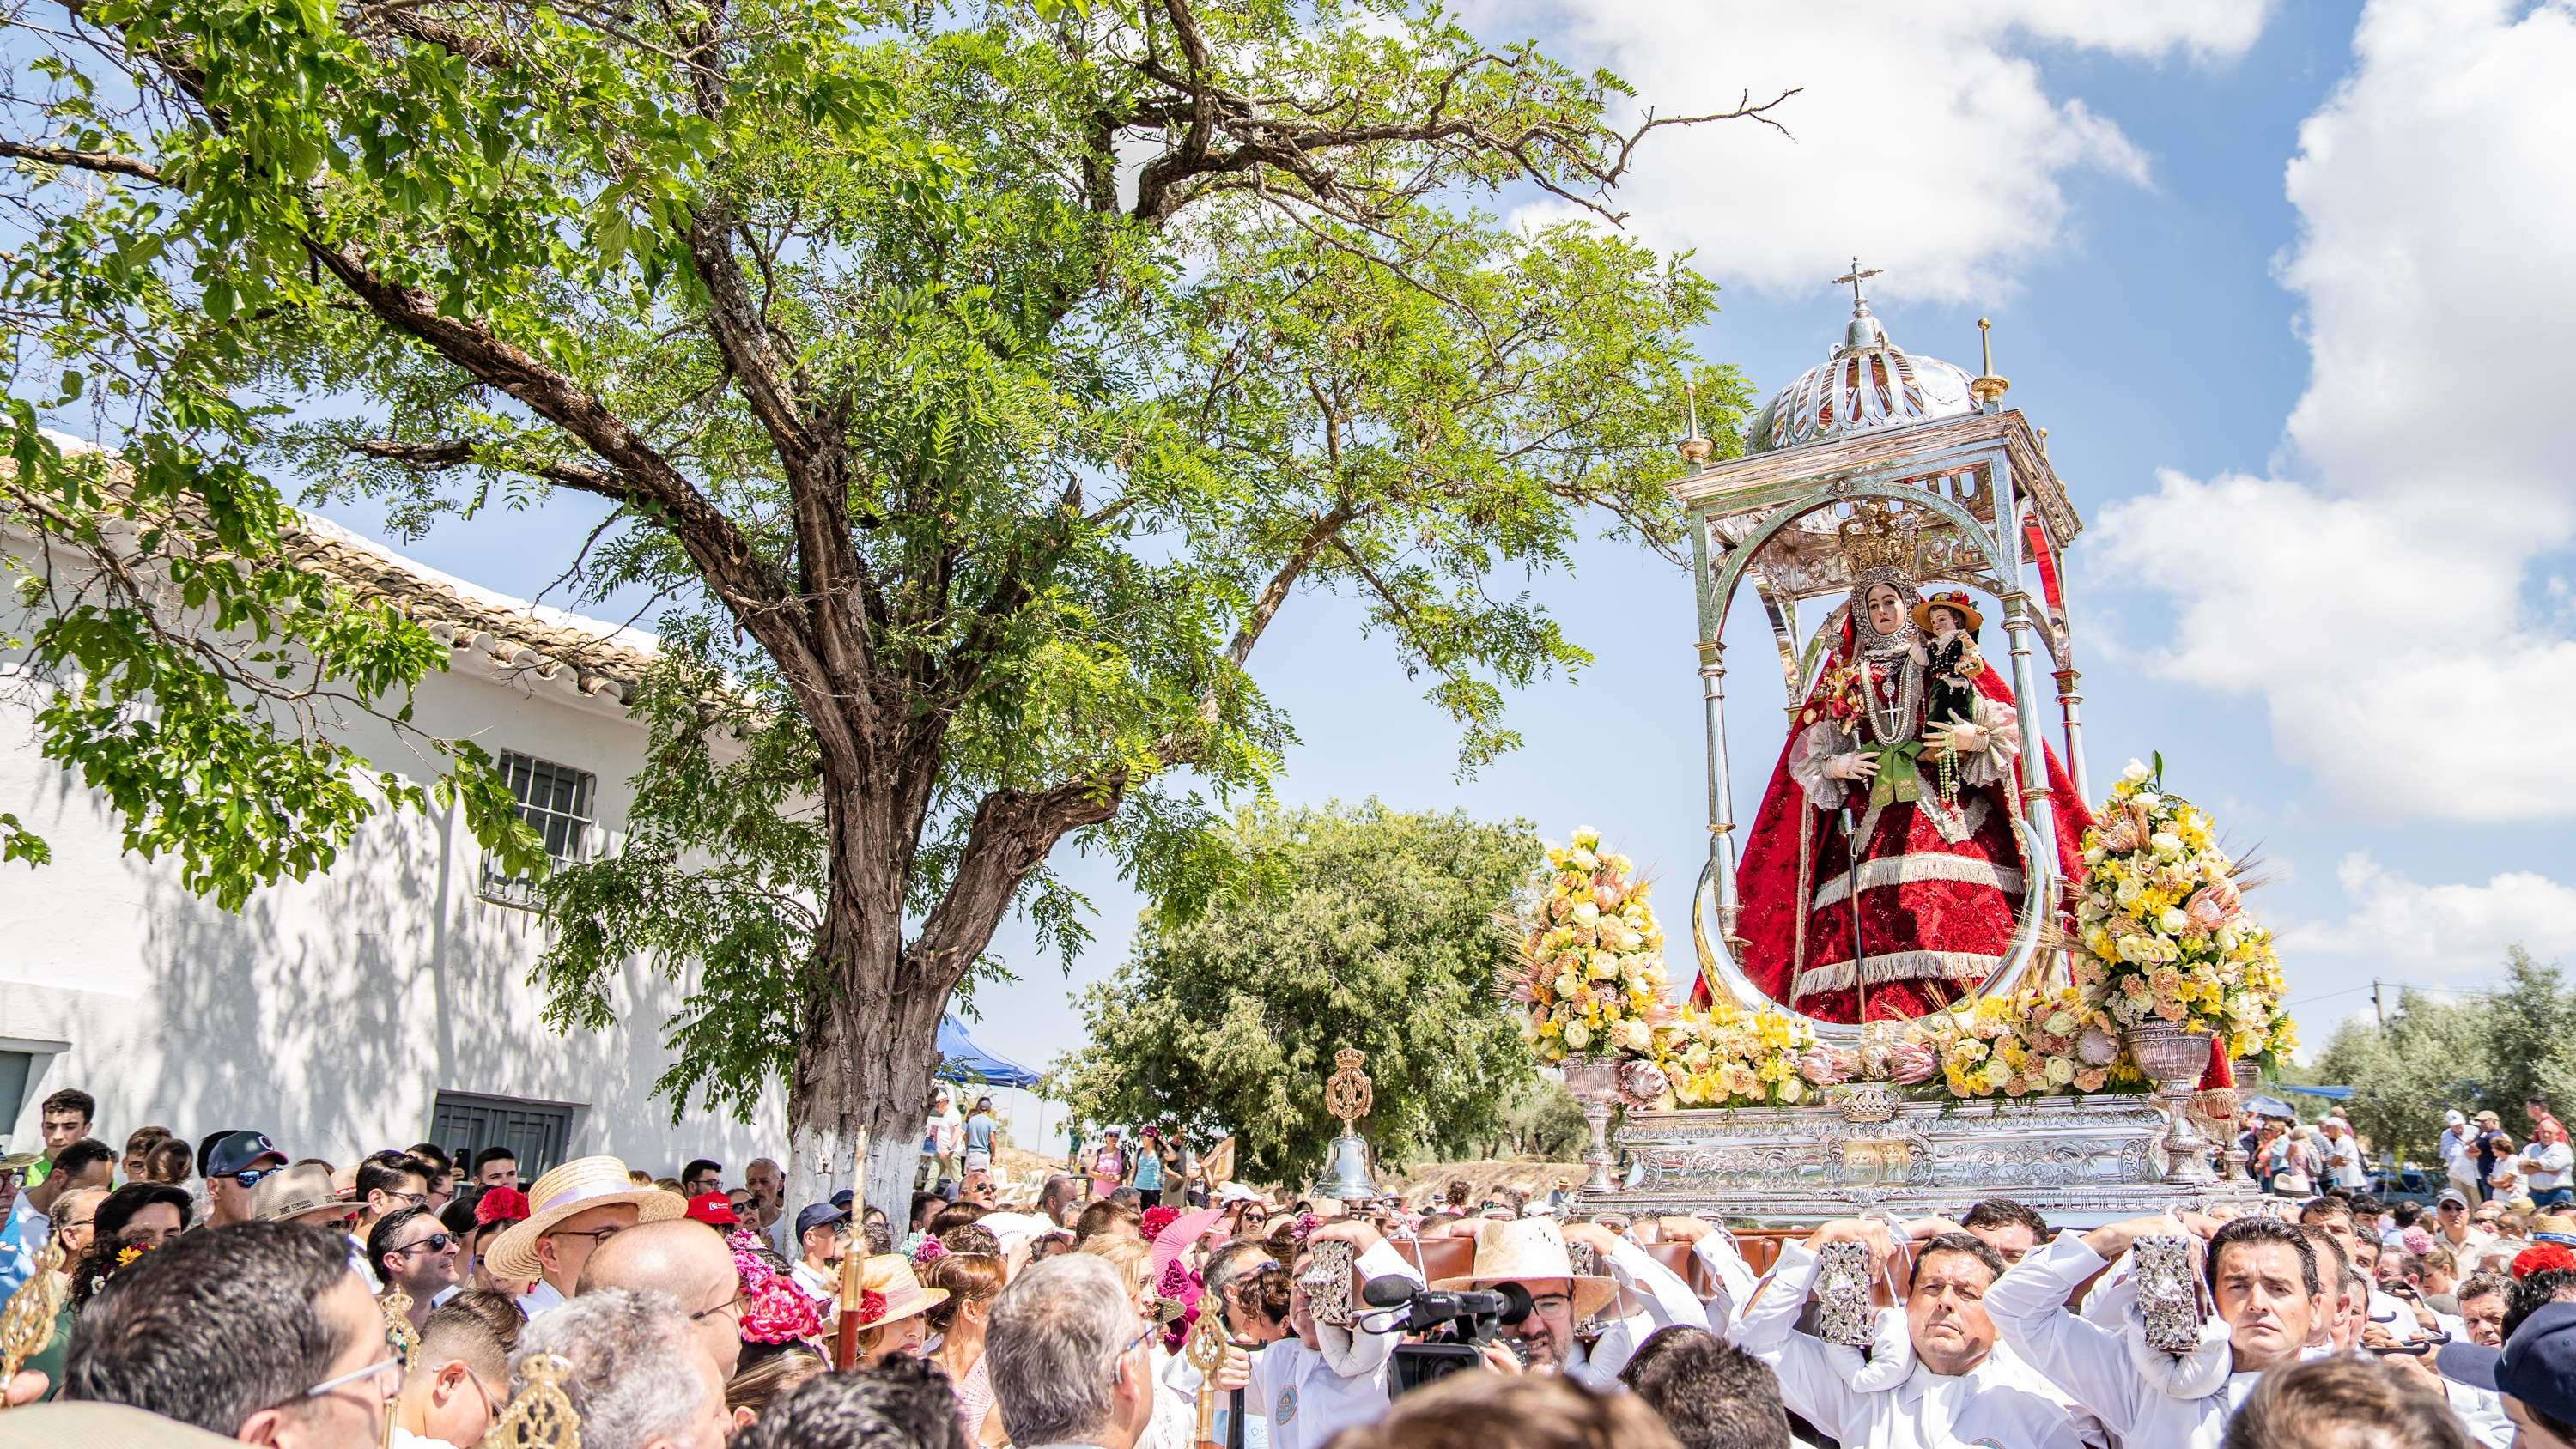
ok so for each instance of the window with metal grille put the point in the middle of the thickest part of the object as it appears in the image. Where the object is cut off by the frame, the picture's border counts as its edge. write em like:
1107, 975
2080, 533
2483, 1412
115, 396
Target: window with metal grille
538, 1134
555, 800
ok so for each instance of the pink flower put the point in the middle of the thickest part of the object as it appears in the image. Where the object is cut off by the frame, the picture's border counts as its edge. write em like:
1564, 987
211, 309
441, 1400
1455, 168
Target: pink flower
1913, 1062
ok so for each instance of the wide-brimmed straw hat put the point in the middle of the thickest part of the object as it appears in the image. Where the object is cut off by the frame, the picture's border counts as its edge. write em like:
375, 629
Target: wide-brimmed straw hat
1530, 1250
576, 1187
889, 1275
1948, 599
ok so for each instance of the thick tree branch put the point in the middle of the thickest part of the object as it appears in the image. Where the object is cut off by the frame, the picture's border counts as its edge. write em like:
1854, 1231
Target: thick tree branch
1011, 835
106, 162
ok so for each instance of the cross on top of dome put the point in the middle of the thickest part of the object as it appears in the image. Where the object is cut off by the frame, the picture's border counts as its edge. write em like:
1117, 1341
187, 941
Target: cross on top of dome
1866, 384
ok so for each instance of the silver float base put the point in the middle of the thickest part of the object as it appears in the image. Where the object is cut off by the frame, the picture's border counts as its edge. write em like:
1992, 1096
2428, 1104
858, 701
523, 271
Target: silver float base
2080, 1161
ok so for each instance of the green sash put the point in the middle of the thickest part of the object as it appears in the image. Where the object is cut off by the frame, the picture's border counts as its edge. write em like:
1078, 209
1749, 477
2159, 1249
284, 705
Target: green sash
1895, 780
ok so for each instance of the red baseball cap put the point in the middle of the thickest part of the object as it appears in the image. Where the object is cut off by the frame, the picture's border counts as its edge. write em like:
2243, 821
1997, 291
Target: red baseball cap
713, 1208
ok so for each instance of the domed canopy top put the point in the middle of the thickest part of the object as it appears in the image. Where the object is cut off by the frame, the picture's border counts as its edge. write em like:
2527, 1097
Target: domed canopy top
1867, 384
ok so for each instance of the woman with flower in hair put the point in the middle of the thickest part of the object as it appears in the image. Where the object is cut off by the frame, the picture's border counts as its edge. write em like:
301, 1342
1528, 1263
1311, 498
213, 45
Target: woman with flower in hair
891, 1304
971, 1281
135, 1219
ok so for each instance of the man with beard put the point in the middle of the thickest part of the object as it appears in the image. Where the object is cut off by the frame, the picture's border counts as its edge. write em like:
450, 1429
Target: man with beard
1961, 1387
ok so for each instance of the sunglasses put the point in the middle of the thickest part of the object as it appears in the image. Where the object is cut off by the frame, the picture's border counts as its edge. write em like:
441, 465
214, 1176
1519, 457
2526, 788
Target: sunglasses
435, 1243
252, 1176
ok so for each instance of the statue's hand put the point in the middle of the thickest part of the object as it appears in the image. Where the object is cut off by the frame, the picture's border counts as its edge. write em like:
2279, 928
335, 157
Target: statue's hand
1964, 739
1852, 767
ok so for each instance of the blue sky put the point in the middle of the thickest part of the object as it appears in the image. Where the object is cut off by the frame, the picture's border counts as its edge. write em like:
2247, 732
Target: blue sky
2253, 269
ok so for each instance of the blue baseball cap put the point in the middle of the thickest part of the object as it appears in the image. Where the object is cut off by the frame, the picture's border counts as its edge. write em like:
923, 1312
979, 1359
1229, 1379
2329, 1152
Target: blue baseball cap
843, 1199
2537, 1365
817, 1215
239, 1152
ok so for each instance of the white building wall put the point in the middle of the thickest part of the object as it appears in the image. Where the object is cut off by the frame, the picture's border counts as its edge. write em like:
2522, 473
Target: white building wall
328, 1012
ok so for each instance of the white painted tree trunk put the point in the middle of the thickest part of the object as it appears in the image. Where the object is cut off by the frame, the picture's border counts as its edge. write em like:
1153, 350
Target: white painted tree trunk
821, 1162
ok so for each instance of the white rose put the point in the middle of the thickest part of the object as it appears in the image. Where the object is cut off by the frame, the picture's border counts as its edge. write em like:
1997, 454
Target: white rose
2137, 771
2061, 1070
2173, 921
1583, 860
2061, 1024
2127, 892
1605, 966
2094, 855
2226, 941
1630, 940
1577, 1036
1587, 915
2166, 843
1790, 1089
1566, 981
1531, 1028
2147, 801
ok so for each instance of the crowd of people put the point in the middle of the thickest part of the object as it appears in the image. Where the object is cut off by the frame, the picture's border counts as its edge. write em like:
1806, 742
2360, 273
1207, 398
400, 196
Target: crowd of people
416, 1300
2477, 1156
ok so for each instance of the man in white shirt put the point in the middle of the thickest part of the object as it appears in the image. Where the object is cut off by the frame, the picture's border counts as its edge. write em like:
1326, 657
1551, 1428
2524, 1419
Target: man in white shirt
2264, 1275
1324, 1379
1642, 1294
2343, 1156
1962, 1387
823, 1240
2458, 1149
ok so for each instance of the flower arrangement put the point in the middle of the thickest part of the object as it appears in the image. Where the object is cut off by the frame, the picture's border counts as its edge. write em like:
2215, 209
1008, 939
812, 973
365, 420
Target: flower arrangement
1590, 966
775, 1310
2161, 929
2034, 1042
926, 1252
1728, 1057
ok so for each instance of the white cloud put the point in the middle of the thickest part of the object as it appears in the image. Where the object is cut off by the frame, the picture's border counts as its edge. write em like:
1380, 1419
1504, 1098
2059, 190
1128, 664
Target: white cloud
2384, 608
2386, 636
1925, 141
2421, 931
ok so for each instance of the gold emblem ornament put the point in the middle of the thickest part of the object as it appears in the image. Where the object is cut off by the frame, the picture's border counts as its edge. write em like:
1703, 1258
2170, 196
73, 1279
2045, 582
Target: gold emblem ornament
541, 1415
27, 1324
1206, 1353
400, 1336
1346, 1092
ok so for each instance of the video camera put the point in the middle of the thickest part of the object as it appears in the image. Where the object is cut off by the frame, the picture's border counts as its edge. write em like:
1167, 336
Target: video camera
1458, 1324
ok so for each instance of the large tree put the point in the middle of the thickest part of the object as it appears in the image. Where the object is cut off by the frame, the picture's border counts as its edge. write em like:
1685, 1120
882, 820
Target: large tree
2484, 1052
973, 384
1367, 928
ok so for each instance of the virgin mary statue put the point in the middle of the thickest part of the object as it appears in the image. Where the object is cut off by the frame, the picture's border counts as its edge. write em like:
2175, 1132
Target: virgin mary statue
1927, 798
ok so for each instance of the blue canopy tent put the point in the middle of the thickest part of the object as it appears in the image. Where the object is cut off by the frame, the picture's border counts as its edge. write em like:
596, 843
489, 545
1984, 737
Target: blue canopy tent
960, 1060
2333, 1094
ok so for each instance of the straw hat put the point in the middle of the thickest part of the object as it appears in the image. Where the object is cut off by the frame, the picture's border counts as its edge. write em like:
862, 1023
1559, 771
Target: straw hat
2554, 1228
1530, 1250
576, 1187
890, 1276
1949, 599
291, 1192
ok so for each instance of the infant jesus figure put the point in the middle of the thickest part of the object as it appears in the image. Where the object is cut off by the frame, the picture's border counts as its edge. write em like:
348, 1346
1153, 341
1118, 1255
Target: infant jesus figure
1947, 653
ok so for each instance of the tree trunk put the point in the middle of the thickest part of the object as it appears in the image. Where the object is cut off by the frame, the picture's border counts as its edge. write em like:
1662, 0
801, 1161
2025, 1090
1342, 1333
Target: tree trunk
864, 1060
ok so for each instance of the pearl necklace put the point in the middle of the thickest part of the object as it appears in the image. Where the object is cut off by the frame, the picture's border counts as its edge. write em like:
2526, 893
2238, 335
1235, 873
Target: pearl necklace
1885, 729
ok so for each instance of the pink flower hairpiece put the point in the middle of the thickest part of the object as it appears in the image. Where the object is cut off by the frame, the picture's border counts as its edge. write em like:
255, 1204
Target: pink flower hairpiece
928, 1251
1157, 1219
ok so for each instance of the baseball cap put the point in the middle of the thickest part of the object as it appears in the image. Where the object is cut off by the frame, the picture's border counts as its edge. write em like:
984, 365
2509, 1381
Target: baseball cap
1236, 1192
818, 1214
844, 1198
2450, 1194
2537, 1365
713, 1208
239, 1151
